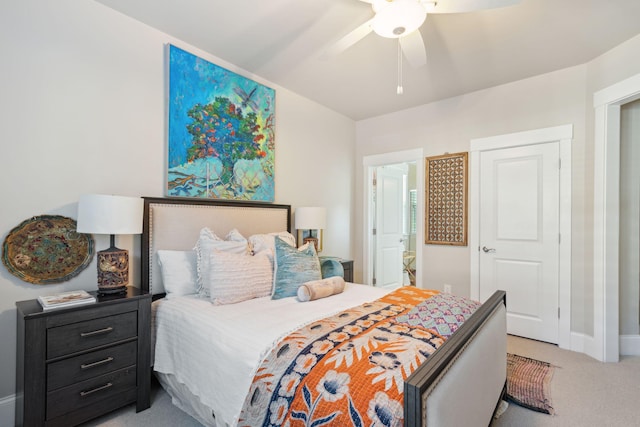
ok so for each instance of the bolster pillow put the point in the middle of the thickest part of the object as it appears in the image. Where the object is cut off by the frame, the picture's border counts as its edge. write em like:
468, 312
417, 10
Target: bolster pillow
315, 289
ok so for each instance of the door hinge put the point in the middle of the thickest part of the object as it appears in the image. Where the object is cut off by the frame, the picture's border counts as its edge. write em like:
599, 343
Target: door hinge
559, 163
374, 281
559, 238
374, 232
558, 312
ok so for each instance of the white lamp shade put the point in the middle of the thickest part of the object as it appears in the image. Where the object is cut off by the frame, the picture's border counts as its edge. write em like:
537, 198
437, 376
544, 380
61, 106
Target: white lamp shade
311, 218
103, 214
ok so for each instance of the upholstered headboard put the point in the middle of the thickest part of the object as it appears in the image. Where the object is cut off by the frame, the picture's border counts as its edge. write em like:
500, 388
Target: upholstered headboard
175, 224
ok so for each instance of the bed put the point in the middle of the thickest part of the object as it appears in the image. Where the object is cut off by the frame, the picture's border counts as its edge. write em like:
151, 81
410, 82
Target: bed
459, 384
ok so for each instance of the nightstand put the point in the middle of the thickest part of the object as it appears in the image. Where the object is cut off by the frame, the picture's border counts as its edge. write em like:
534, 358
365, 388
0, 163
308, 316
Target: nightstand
347, 266
78, 363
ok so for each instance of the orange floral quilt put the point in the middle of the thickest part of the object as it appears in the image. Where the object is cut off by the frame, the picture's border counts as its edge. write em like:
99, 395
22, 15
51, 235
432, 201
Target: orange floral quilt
349, 369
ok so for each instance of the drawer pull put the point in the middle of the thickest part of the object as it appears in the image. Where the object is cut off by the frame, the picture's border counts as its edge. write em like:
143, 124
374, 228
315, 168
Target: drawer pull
98, 332
102, 387
98, 363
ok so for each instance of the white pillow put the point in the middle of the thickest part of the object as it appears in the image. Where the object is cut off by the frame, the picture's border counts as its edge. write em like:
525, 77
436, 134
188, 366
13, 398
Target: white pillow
208, 242
265, 243
235, 236
238, 277
179, 272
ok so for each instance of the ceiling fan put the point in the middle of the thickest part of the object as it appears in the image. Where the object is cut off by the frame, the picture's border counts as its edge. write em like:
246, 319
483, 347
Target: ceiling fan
400, 19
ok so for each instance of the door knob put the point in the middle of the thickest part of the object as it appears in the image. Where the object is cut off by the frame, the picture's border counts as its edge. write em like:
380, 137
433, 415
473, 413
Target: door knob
488, 250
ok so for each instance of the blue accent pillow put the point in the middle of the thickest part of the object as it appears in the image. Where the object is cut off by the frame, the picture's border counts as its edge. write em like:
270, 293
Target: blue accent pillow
331, 267
293, 268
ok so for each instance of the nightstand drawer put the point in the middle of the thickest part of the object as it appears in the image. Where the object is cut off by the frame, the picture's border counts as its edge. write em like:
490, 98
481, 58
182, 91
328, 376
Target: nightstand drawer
89, 392
89, 365
75, 337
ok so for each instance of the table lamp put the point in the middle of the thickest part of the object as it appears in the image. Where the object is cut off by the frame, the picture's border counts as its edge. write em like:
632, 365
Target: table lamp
103, 214
311, 218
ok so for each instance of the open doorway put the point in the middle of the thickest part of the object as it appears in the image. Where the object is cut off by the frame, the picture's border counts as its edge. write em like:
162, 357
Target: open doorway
629, 223
393, 237
605, 345
393, 229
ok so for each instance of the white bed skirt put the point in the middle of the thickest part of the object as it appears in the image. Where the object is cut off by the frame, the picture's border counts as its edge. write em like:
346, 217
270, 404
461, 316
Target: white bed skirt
182, 397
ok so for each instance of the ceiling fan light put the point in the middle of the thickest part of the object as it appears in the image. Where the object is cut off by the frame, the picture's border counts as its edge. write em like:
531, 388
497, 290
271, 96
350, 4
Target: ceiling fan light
429, 6
397, 18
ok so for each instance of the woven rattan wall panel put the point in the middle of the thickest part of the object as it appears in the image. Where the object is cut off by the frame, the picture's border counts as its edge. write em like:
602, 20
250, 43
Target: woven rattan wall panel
446, 199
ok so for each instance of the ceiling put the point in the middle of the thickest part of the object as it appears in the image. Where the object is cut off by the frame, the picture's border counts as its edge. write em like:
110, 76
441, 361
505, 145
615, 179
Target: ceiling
283, 41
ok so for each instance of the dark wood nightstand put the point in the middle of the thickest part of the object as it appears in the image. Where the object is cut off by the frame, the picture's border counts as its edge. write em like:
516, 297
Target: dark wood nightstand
347, 265
78, 363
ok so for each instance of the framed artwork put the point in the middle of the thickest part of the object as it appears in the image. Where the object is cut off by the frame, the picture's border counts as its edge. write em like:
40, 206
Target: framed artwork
221, 132
446, 199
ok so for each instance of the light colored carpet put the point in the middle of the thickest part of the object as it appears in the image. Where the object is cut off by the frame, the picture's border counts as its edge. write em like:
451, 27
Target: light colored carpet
162, 413
585, 393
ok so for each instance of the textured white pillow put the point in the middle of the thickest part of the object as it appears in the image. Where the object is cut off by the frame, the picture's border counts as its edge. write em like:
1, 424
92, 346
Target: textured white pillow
235, 277
235, 236
208, 242
179, 272
265, 243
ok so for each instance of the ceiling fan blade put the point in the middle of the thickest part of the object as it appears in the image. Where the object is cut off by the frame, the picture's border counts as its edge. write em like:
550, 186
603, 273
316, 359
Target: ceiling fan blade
413, 49
349, 40
462, 6
367, 1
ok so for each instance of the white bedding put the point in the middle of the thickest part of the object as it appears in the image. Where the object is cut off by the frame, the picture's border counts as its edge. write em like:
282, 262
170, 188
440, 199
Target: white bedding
215, 350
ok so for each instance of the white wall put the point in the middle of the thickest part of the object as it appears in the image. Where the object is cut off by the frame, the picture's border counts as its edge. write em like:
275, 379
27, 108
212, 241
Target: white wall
82, 111
448, 126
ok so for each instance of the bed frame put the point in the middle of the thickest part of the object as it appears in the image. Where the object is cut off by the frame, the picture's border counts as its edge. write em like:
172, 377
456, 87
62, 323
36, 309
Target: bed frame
460, 384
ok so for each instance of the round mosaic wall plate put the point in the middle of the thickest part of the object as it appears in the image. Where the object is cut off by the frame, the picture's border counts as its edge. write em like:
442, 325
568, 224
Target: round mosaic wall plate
47, 249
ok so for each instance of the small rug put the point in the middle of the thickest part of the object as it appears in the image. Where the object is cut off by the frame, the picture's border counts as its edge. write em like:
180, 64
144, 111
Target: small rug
528, 383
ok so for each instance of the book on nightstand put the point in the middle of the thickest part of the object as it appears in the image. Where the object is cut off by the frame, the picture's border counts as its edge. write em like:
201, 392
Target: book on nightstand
65, 299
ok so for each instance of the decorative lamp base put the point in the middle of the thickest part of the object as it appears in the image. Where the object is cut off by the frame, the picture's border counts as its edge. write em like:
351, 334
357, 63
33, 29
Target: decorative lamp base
113, 270
313, 240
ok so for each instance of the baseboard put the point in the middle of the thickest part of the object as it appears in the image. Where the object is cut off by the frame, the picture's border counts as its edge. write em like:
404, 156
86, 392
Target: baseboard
8, 410
629, 345
577, 342
583, 343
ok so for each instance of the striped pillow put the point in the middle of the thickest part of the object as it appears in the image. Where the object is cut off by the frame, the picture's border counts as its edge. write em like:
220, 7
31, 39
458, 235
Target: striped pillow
238, 277
208, 242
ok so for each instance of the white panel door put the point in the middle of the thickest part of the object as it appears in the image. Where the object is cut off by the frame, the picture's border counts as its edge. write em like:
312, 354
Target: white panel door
389, 231
519, 236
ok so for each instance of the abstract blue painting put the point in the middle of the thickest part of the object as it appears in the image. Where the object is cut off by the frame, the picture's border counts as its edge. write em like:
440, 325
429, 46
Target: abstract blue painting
221, 132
